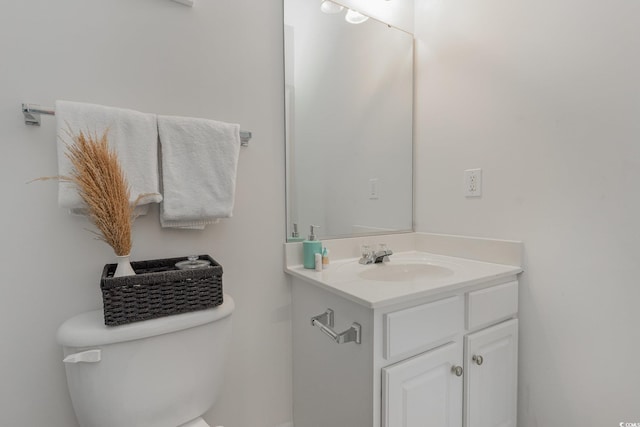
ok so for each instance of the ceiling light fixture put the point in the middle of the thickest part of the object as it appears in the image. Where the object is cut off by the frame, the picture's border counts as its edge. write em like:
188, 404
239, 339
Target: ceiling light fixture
354, 17
330, 7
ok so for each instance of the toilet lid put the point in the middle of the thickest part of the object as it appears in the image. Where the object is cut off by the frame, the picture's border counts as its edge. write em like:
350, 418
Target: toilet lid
88, 329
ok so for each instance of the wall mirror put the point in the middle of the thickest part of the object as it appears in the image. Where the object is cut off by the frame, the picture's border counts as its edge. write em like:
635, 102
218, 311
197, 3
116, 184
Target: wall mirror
349, 112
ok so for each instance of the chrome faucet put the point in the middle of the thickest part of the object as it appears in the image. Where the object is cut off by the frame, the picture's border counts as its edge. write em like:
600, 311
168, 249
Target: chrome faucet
370, 256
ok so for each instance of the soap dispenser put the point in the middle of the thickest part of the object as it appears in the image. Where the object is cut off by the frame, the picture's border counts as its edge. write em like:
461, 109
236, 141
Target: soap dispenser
295, 237
310, 248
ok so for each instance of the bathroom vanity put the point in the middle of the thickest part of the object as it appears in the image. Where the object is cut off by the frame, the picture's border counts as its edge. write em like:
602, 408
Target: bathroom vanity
429, 339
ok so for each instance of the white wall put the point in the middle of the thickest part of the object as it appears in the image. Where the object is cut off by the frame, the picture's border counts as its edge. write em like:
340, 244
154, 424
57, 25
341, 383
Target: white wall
220, 59
544, 96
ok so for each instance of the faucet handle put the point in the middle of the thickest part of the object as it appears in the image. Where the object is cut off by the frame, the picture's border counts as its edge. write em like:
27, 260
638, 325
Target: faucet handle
368, 254
365, 250
382, 255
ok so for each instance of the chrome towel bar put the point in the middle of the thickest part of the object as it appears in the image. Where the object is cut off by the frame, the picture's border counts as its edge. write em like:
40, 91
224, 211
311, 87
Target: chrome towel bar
32, 118
325, 322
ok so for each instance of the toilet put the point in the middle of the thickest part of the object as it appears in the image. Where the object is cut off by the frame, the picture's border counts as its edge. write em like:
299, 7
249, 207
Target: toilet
163, 372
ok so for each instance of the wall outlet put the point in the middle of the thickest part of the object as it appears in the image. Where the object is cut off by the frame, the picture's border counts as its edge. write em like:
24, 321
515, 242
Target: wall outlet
373, 189
473, 183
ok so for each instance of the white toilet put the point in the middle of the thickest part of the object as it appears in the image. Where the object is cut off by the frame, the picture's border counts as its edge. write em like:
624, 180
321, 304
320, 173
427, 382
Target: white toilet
163, 372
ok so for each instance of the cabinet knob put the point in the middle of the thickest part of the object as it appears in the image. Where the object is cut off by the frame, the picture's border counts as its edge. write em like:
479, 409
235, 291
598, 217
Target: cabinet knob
477, 359
457, 370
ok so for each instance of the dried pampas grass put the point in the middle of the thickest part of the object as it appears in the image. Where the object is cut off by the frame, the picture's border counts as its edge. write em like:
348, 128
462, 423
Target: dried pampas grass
103, 187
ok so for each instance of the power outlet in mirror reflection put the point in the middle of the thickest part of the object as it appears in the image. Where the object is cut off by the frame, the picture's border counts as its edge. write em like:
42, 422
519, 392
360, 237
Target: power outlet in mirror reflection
373, 189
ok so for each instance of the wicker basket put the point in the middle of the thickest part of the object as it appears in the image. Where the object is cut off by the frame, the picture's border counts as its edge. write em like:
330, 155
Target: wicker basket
159, 289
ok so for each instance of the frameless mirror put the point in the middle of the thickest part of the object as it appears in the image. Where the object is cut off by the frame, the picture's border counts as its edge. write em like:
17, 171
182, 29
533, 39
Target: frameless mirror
349, 109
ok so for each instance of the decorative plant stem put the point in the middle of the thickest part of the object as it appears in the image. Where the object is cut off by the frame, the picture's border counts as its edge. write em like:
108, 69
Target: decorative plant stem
103, 187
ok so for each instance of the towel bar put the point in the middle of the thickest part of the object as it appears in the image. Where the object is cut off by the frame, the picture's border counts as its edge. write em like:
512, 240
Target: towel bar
32, 117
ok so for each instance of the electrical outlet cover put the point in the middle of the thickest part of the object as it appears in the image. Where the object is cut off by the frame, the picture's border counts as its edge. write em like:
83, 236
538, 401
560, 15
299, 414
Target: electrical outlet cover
473, 183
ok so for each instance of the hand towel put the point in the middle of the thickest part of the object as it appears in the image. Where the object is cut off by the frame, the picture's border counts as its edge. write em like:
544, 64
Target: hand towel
199, 162
134, 137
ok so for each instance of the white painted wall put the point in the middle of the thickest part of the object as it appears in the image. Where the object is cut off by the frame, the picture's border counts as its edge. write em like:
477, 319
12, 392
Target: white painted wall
544, 96
219, 60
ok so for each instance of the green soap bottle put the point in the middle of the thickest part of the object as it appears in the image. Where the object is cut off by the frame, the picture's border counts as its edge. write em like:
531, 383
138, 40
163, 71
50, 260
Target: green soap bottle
295, 237
310, 248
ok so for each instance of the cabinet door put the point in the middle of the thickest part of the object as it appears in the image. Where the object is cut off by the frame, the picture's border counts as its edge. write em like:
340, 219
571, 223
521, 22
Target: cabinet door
424, 391
491, 376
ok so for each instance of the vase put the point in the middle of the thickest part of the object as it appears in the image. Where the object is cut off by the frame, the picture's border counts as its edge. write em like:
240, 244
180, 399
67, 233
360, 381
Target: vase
124, 267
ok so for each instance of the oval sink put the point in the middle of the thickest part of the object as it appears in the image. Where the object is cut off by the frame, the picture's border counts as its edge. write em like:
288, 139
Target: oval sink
392, 272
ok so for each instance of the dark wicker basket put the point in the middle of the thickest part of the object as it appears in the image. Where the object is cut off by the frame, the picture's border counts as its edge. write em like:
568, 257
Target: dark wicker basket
159, 289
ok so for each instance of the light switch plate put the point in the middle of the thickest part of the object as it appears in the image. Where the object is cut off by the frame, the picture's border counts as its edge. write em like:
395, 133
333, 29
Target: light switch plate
373, 189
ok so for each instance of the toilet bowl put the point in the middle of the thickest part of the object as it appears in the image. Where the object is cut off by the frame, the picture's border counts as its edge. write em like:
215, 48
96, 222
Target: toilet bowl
163, 372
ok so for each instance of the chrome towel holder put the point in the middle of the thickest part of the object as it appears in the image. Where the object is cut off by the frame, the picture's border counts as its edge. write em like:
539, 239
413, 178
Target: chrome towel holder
32, 114
325, 322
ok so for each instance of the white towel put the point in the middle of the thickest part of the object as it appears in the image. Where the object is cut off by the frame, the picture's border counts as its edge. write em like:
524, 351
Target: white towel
199, 161
134, 137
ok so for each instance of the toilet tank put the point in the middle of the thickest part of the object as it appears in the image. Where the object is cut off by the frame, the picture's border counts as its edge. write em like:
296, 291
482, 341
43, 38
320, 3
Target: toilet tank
157, 373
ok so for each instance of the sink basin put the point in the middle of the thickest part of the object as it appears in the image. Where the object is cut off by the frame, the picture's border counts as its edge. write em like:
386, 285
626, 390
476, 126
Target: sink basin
404, 272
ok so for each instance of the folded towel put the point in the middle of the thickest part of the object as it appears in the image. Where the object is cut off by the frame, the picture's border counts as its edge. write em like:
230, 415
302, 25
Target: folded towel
199, 161
134, 137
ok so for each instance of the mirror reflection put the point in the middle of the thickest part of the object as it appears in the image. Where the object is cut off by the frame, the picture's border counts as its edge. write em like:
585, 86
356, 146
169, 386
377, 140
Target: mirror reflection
349, 122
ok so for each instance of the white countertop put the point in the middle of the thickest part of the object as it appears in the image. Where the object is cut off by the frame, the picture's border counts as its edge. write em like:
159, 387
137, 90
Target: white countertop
342, 277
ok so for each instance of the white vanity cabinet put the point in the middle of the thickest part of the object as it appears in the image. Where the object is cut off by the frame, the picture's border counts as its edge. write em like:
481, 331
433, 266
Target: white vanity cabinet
446, 360
424, 390
491, 376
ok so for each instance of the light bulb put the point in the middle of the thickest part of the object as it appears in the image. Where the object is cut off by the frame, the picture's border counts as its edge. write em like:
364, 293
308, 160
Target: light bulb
330, 7
354, 17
